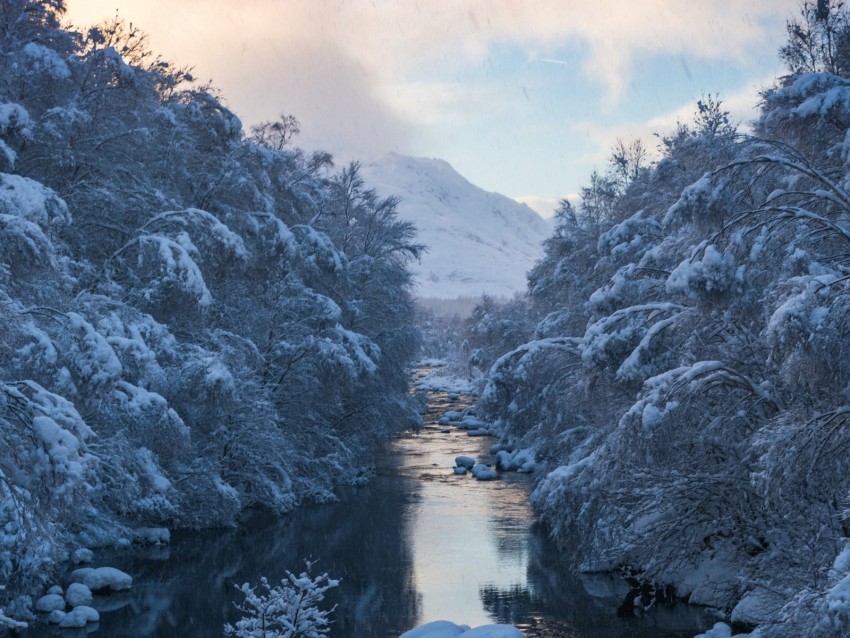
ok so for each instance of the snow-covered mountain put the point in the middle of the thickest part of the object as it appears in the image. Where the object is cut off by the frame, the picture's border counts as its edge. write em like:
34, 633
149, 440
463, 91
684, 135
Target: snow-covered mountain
478, 242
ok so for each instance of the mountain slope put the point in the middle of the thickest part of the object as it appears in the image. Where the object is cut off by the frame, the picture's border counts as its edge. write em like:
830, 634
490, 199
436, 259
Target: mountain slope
478, 242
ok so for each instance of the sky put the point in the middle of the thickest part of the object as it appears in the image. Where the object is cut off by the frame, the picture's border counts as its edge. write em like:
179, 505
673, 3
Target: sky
522, 97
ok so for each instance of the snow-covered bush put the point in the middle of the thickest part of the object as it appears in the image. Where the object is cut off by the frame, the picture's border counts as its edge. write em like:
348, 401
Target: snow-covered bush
290, 609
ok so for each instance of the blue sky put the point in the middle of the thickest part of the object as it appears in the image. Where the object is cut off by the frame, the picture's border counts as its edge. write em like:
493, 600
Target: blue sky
522, 97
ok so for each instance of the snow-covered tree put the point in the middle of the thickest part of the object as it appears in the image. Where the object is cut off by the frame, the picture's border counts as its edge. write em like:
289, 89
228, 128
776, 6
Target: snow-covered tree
194, 321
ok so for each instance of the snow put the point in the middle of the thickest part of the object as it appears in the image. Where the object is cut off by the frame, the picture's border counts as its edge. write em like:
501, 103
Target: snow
42, 348
96, 360
445, 382
484, 473
448, 629
720, 630
714, 272
78, 594
50, 602
180, 266
758, 607
79, 617
56, 616
63, 451
30, 200
521, 461
465, 461
436, 629
100, 578
48, 59
479, 242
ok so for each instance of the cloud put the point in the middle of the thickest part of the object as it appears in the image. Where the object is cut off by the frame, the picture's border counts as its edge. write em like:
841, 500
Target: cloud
742, 108
364, 49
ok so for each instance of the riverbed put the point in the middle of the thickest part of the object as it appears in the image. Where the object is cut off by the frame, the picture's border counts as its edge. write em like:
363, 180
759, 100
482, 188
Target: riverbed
418, 543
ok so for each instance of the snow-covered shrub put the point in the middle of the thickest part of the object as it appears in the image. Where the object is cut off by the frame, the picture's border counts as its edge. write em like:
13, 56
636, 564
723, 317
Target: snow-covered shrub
290, 609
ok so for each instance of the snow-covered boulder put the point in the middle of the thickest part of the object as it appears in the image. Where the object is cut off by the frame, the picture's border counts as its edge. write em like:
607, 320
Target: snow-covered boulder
517, 460
56, 589
720, 630
56, 616
470, 423
50, 602
79, 617
436, 629
82, 555
107, 578
78, 575
484, 473
465, 461
78, 594
757, 607
448, 629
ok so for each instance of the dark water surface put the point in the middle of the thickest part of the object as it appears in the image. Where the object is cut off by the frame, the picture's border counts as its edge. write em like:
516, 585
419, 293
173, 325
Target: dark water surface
416, 544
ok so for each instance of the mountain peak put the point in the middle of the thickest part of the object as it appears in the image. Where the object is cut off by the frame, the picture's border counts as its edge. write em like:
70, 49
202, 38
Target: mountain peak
479, 242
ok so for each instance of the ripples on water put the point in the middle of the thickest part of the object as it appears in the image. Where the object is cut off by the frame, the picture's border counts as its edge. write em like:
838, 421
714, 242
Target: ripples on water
416, 544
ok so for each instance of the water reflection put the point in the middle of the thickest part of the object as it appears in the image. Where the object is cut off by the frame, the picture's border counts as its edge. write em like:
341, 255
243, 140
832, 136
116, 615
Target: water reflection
557, 603
188, 588
417, 544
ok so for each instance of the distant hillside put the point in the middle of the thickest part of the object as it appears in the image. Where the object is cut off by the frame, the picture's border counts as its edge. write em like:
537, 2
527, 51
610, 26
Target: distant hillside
479, 242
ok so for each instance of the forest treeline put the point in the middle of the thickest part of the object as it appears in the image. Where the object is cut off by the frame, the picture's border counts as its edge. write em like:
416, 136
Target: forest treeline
194, 319
681, 363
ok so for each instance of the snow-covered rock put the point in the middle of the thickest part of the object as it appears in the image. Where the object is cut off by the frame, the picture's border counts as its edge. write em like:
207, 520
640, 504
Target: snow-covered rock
79, 617
50, 602
465, 461
55, 616
448, 629
518, 460
479, 242
56, 589
78, 594
436, 629
470, 423
82, 555
78, 575
720, 630
106, 578
757, 607
484, 473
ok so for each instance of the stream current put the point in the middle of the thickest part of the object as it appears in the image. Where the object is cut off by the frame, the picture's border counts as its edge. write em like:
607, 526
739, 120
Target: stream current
416, 544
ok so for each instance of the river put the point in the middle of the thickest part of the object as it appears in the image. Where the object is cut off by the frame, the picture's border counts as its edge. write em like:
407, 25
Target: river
416, 544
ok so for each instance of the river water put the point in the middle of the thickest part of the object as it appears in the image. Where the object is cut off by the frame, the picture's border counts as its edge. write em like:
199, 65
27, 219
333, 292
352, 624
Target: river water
416, 544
